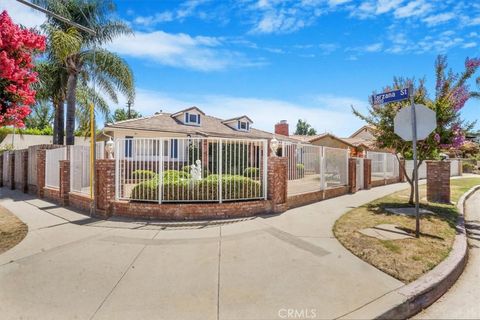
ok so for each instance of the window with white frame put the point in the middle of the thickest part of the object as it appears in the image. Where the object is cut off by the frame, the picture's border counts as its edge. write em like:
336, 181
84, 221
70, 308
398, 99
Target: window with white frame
243, 125
192, 118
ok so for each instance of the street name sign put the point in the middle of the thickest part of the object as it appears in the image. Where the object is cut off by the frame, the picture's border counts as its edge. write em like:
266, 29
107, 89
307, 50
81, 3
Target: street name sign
426, 122
391, 96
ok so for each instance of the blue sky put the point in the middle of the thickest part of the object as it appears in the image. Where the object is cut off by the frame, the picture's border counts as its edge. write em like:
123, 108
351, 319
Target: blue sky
275, 60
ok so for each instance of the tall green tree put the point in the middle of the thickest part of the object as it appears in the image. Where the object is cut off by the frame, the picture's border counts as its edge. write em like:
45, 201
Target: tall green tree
304, 128
451, 94
122, 114
41, 117
82, 54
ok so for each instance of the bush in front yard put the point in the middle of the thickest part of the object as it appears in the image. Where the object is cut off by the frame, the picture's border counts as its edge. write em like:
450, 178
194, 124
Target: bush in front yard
143, 174
251, 172
233, 187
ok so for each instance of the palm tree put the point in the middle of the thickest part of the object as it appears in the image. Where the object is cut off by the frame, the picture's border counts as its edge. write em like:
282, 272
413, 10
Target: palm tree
51, 88
80, 54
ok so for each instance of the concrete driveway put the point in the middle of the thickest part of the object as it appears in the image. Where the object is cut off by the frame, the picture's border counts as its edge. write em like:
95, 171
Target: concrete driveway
72, 267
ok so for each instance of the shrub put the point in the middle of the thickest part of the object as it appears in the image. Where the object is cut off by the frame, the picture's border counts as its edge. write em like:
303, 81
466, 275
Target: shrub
468, 167
300, 166
233, 187
187, 169
175, 175
143, 174
251, 172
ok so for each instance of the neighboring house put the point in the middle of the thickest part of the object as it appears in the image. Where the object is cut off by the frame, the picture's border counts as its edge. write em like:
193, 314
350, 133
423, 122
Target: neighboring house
23, 141
188, 123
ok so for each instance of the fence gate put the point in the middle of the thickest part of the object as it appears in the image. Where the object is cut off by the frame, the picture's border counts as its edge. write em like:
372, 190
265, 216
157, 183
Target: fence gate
360, 174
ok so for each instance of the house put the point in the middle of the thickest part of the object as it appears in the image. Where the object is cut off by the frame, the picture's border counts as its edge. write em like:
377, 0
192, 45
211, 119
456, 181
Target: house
181, 127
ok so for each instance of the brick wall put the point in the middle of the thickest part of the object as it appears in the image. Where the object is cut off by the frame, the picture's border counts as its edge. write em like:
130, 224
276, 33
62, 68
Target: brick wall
438, 181
352, 175
304, 199
277, 183
104, 186
190, 211
51, 194
64, 167
80, 201
367, 173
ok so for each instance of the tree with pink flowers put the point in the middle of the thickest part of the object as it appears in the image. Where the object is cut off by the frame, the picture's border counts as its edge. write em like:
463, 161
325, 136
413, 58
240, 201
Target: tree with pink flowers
18, 46
452, 91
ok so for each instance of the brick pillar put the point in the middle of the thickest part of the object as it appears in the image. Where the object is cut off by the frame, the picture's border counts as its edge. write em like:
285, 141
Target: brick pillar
277, 183
41, 154
1, 169
401, 172
438, 181
64, 167
104, 186
367, 171
24, 164
11, 169
352, 175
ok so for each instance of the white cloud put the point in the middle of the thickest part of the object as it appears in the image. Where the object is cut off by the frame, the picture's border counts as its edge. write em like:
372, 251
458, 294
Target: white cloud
469, 45
413, 8
21, 14
384, 6
180, 50
374, 47
474, 21
147, 21
326, 113
439, 18
337, 2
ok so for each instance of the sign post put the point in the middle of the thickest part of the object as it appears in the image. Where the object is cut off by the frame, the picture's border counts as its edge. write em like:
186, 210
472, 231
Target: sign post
415, 162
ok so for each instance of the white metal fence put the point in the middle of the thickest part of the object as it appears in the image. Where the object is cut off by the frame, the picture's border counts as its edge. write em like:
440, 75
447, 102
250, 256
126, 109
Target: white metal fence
80, 166
52, 171
190, 169
313, 168
384, 165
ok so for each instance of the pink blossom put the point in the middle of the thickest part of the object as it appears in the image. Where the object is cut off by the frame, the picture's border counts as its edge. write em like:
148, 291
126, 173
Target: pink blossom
17, 46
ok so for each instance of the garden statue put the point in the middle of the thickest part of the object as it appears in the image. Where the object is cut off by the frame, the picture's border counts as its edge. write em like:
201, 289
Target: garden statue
196, 170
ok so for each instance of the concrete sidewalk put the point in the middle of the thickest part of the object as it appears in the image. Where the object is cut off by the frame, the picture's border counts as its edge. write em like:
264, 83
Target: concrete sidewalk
462, 300
71, 266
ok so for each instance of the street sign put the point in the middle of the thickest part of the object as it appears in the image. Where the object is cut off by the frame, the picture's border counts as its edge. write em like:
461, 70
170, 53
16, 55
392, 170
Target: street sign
426, 122
392, 96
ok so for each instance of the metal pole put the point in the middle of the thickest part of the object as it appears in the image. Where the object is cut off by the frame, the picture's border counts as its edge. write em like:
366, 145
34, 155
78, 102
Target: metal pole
415, 161
58, 17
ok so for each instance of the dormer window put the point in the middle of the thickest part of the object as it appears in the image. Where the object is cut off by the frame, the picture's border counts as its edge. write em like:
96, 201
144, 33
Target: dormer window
243, 126
192, 118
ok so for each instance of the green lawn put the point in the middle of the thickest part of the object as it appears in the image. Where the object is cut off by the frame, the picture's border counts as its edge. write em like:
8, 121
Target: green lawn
405, 259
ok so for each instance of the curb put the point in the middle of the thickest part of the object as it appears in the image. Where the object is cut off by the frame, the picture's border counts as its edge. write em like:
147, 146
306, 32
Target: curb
424, 291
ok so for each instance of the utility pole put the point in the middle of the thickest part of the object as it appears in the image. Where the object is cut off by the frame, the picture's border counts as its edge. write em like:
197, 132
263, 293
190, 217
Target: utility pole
129, 106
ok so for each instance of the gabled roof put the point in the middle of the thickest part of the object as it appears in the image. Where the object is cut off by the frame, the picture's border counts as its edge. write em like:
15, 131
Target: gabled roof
311, 139
188, 109
237, 118
165, 122
365, 127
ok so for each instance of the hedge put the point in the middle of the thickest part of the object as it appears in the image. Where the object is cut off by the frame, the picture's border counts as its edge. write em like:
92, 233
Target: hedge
233, 187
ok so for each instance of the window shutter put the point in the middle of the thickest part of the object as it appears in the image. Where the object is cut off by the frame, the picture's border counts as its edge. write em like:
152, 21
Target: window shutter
198, 118
187, 119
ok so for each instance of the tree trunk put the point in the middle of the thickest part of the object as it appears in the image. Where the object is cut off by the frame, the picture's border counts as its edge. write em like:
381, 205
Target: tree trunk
55, 122
61, 122
71, 100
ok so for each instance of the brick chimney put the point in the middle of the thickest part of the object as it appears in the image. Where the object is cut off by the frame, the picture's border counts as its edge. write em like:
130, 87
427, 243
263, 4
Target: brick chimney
282, 128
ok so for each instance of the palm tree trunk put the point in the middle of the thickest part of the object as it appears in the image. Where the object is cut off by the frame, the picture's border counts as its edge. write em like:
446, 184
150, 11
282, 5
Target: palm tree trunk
55, 122
71, 99
61, 122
